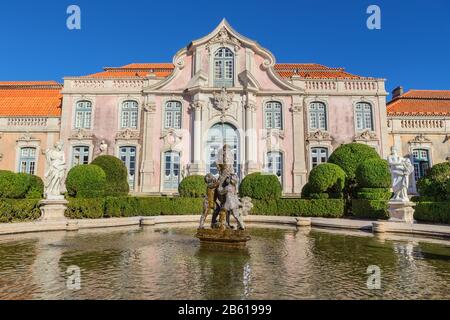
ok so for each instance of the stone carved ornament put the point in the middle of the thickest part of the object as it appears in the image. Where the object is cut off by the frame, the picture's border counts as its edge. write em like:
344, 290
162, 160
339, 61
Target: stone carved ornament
319, 135
366, 136
171, 138
82, 134
420, 139
128, 134
223, 101
223, 37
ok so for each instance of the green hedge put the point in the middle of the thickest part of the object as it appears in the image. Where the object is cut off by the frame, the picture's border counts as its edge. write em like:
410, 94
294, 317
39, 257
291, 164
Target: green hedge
20, 186
350, 156
116, 175
327, 178
192, 186
329, 208
373, 173
374, 193
434, 183
260, 186
435, 212
14, 210
371, 209
86, 181
79, 208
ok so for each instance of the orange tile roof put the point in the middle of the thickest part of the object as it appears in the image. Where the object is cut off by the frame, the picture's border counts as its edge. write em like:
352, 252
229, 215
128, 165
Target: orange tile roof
136, 70
285, 70
421, 102
30, 98
312, 70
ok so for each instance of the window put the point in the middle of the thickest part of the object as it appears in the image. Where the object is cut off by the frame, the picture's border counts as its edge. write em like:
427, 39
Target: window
80, 155
171, 170
317, 116
421, 160
27, 161
128, 157
364, 117
318, 156
273, 115
129, 116
172, 118
83, 114
275, 164
223, 68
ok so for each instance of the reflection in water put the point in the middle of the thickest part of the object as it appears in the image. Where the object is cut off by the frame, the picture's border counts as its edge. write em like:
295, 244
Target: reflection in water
169, 263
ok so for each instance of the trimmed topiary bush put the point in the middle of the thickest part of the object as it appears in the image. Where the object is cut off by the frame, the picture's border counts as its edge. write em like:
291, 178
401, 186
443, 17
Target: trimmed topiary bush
374, 193
193, 186
327, 208
116, 175
86, 181
373, 173
14, 185
327, 178
79, 208
435, 212
260, 186
350, 156
434, 183
36, 188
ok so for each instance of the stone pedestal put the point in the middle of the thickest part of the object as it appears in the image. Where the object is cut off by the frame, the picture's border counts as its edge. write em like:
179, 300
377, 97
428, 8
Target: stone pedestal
223, 236
53, 209
401, 211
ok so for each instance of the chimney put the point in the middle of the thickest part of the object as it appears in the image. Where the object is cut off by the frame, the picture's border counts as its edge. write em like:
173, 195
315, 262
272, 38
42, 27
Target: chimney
397, 92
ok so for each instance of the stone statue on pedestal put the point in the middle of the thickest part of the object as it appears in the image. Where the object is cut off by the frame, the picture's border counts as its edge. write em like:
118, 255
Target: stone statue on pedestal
55, 173
54, 205
400, 207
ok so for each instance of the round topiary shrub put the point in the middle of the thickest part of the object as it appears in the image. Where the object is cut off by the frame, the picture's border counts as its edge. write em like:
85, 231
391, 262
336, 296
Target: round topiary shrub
36, 188
434, 183
13, 185
116, 175
327, 178
349, 156
193, 186
86, 181
374, 193
373, 173
260, 186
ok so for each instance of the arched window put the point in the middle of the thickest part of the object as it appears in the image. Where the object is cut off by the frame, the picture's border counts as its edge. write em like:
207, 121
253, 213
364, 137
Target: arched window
172, 117
317, 116
421, 160
27, 161
364, 116
223, 68
83, 113
80, 155
273, 115
318, 156
129, 115
275, 164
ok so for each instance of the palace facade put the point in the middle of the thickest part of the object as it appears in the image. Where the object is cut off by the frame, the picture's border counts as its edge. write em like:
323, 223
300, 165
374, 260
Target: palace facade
168, 120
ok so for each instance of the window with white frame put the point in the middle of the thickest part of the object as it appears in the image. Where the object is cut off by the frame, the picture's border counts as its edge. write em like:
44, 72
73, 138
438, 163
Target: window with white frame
172, 117
364, 116
27, 160
317, 116
223, 68
421, 160
80, 155
274, 164
129, 115
273, 115
318, 156
83, 113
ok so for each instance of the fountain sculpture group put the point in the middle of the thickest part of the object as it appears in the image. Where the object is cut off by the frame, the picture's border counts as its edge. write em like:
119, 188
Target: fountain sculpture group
222, 202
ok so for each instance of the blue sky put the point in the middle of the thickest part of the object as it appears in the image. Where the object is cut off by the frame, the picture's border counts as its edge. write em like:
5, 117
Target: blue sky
412, 48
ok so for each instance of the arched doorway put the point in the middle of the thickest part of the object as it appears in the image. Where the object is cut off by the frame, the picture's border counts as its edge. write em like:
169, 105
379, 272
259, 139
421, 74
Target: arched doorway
219, 135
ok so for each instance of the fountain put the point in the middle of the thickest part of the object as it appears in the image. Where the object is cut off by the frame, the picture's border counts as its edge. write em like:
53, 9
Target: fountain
222, 201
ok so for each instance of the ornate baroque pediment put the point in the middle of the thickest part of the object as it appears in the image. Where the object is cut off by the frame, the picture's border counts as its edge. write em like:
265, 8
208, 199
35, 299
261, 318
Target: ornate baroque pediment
420, 139
319, 135
81, 134
223, 37
128, 134
366, 136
